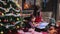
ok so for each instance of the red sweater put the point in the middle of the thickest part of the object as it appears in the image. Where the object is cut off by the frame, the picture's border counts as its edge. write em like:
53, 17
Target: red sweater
38, 19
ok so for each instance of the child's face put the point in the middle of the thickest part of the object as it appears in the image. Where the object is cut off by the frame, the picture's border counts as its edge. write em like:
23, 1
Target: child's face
33, 19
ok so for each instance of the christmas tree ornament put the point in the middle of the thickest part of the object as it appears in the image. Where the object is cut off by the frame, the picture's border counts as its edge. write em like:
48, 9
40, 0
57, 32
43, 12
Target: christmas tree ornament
17, 27
2, 14
17, 18
1, 32
5, 20
1, 24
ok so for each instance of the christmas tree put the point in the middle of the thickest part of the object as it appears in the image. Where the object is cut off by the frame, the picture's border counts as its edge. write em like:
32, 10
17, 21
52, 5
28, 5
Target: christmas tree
10, 18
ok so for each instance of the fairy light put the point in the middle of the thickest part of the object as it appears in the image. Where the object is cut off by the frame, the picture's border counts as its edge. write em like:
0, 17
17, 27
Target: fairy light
1, 32
17, 26
1, 24
17, 18
2, 14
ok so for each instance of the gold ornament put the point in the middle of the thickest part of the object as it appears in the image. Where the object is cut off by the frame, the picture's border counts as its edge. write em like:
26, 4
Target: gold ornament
17, 18
2, 32
2, 14
1, 24
17, 26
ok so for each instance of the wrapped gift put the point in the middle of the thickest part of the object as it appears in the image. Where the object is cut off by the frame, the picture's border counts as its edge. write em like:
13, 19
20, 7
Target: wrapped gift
44, 32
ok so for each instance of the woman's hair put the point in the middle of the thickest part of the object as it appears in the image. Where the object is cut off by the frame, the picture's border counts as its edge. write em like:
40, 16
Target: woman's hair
32, 16
35, 13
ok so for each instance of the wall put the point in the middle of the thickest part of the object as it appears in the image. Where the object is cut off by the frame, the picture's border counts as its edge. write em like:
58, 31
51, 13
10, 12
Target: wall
58, 10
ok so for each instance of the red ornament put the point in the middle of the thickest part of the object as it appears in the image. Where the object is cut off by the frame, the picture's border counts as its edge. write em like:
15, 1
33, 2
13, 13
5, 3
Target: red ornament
5, 20
0, 13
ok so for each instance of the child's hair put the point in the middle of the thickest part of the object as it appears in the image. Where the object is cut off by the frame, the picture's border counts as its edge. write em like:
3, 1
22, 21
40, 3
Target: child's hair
31, 17
35, 13
53, 27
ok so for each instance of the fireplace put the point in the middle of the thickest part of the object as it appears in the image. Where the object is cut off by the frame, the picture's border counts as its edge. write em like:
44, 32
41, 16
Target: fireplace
28, 4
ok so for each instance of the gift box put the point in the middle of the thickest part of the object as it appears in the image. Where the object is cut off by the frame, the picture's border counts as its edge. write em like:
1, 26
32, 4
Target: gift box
44, 32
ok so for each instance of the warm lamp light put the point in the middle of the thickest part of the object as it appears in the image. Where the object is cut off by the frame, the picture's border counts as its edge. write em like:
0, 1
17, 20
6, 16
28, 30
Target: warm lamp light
26, 6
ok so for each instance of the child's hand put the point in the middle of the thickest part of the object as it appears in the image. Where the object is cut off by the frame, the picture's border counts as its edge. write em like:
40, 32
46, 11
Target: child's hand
37, 24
